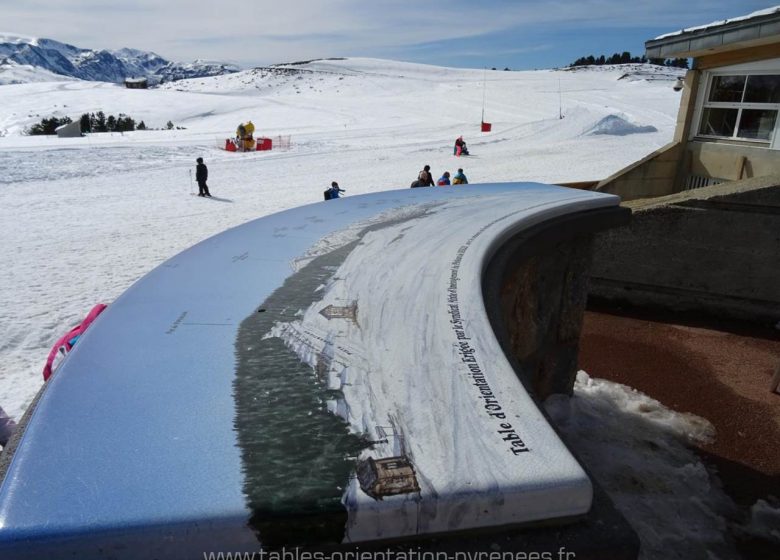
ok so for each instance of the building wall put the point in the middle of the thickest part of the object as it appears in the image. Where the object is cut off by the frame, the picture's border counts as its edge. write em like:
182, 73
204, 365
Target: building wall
714, 250
672, 168
651, 176
728, 162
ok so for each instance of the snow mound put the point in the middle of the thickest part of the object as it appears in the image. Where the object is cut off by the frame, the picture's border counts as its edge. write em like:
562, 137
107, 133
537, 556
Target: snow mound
765, 520
615, 125
638, 451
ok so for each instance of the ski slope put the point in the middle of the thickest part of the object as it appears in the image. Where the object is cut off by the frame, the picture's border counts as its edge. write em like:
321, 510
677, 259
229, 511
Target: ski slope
88, 216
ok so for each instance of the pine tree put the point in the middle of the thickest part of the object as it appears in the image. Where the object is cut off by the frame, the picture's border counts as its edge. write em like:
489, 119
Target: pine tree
111, 123
169, 124
100, 122
141, 126
85, 123
47, 126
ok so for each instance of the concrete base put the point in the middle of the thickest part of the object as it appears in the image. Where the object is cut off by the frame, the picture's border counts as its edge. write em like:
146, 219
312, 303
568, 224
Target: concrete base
535, 289
714, 250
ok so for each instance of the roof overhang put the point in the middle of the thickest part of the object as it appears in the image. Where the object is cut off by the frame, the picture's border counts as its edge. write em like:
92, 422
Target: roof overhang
725, 37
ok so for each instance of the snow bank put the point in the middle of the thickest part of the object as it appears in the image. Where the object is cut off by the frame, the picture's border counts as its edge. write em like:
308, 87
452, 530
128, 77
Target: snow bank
638, 451
764, 520
616, 125
758, 13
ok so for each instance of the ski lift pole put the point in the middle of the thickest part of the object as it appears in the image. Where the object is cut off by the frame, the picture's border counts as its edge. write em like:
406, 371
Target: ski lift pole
483, 126
484, 90
560, 101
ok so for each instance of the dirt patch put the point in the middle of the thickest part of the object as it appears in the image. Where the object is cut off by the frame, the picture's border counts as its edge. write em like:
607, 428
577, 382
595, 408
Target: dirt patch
721, 376
721, 372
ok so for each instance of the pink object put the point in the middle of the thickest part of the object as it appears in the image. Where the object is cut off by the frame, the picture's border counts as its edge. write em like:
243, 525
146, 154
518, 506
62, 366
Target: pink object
66, 343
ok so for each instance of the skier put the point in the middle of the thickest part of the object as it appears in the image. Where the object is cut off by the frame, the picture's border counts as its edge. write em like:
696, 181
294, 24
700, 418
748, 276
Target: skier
460, 178
444, 180
424, 179
201, 175
334, 191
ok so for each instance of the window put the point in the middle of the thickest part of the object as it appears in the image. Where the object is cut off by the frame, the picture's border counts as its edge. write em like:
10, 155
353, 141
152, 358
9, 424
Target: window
741, 107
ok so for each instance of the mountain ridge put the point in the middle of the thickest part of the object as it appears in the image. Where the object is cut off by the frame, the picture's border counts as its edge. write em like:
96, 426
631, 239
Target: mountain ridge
99, 65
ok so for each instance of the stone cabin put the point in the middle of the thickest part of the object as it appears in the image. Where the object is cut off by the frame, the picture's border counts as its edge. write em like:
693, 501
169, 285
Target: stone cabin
136, 83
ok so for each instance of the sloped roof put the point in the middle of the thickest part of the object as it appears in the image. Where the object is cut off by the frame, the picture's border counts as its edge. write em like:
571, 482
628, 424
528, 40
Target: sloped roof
757, 28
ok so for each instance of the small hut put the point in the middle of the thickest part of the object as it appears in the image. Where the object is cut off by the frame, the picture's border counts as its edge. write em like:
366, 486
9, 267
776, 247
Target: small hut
136, 83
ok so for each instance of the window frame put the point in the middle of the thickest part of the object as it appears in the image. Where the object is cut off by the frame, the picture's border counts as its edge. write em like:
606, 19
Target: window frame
703, 103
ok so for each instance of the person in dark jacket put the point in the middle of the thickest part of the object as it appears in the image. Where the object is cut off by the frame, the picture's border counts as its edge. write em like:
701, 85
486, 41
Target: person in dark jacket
201, 175
424, 179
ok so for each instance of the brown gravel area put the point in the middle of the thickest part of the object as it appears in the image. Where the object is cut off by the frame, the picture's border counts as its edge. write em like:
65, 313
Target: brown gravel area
721, 372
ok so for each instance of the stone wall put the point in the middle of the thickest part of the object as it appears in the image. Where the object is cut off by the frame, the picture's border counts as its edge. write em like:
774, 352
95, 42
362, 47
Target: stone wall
536, 288
714, 251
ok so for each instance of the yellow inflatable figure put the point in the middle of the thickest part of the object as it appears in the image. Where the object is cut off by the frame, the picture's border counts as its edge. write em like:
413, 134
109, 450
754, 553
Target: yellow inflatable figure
244, 134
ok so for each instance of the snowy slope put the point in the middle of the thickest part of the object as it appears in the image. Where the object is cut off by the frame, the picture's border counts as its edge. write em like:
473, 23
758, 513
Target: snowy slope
90, 215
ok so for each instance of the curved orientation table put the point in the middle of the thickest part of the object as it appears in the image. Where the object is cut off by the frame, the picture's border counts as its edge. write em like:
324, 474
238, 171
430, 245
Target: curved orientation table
323, 375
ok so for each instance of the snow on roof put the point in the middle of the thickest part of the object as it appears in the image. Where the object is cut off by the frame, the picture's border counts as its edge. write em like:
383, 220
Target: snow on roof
759, 13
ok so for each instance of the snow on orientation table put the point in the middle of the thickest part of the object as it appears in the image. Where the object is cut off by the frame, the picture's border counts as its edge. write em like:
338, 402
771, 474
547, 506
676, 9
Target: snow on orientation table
334, 361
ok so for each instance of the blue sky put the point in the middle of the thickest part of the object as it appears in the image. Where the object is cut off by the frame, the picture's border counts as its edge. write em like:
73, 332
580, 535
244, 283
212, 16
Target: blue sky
519, 34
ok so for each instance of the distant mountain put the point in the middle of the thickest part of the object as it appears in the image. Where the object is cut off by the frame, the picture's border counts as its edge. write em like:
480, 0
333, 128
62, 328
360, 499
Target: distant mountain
100, 65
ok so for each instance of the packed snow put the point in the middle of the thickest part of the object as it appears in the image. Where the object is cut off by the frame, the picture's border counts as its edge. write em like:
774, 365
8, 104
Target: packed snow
752, 15
86, 217
636, 449
618, 126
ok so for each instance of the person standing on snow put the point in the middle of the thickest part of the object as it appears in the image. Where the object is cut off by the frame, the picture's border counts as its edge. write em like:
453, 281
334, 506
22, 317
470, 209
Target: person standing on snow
201, 175
460, 178
444, 180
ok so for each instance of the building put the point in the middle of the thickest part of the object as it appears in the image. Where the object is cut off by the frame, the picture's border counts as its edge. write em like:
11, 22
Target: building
727, 125
70, 130
136, 83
